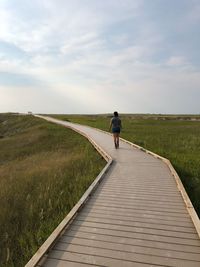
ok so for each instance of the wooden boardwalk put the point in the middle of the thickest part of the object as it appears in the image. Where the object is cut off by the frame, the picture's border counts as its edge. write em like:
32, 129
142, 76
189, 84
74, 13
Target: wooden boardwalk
135, 217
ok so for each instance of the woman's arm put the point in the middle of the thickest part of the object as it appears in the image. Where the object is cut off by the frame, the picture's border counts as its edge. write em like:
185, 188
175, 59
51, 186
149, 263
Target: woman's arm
110, 125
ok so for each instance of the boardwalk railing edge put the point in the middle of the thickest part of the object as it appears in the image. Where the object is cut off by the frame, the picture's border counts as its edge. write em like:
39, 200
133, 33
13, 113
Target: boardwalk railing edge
181, 188
187, 201
47, 245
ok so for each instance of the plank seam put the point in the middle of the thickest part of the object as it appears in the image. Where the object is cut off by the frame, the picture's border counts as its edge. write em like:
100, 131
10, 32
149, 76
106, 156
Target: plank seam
136, 245
134, 231
141, 222
137, 238
127, 251
108, 257
134, 220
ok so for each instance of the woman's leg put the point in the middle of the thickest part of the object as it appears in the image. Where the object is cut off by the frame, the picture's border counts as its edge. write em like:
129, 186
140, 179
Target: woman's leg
115, 139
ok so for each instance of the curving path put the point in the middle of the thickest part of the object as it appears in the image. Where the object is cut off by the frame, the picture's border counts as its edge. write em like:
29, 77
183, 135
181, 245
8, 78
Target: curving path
135, 217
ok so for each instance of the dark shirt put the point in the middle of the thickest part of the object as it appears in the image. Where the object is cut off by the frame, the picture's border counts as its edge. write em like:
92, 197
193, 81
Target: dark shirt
116, 122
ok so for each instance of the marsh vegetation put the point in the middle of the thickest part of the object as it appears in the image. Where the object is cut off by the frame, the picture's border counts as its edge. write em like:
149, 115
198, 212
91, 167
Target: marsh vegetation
44, 170
176, 137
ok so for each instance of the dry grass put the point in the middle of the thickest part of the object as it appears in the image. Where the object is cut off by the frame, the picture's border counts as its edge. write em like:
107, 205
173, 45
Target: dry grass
44, 171
175, 137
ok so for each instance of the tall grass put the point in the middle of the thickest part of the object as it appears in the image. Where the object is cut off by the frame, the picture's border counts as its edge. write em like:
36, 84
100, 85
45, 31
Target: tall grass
174, 137
44, 170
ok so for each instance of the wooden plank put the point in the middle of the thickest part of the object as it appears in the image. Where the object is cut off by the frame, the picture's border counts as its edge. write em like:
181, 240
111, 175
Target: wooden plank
186, 199
141, 189
141, 206
138, 182
142, 236
138, 212
129, 248
142, 192
122, 221
88, 259
123, 256
131, 229
136, 196
116, 185
142, 212
64, 263
173, 213
141, 243
133, 199
124, 185
186, 226
139, 203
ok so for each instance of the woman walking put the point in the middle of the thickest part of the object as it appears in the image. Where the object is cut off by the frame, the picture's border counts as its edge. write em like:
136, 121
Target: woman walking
116, 126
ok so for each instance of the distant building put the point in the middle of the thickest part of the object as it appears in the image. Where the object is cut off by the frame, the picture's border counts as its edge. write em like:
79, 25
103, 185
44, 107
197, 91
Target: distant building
30, 113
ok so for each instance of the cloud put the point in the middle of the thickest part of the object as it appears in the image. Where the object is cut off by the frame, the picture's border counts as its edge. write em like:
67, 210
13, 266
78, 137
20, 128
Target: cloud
194, 12
176, 61
85, 43
17, 79
96, 56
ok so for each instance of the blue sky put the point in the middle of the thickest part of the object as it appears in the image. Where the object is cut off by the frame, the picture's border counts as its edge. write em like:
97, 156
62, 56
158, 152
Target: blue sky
91, 56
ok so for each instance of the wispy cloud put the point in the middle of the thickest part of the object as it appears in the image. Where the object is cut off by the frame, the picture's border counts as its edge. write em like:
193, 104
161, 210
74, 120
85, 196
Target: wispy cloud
96, 56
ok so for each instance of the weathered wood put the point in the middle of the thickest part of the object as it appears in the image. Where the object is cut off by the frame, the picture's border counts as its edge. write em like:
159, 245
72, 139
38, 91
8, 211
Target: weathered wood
117, 246
141, 199
112, 220
82, 260
152, 210
189, 238
139, 203
63, 263
186, 199
140, 219
140, 243
98, 255
140, 215
71, 215
137, 213
134, 235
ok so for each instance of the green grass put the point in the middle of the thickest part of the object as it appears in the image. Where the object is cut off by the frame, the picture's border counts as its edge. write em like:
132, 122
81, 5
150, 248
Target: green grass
174, 137
44, 170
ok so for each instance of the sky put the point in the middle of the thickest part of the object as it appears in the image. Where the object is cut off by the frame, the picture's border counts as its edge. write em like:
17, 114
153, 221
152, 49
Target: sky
98, 56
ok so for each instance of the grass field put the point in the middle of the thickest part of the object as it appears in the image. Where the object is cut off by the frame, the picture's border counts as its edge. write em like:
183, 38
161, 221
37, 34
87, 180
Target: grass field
44, 170
174, 137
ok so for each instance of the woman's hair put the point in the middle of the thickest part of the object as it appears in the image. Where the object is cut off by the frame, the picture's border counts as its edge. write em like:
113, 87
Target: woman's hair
116, 114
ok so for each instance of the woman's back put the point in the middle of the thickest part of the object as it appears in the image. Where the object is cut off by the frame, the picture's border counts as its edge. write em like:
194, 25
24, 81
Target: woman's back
116, 122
